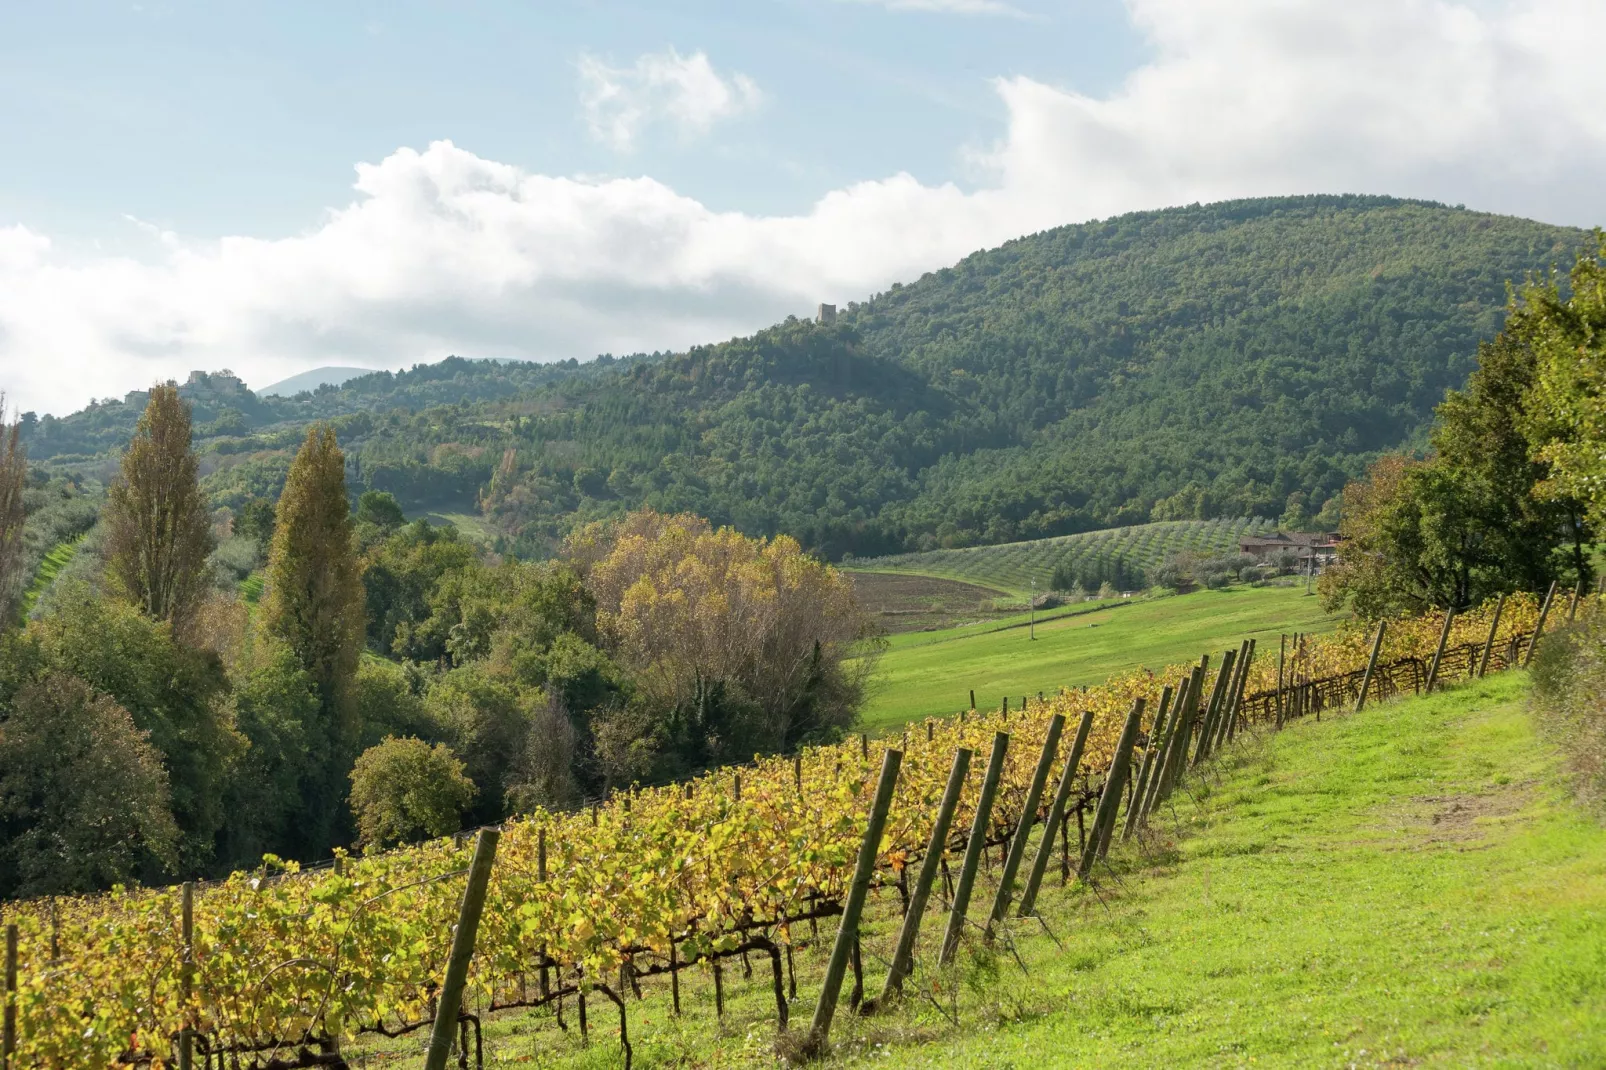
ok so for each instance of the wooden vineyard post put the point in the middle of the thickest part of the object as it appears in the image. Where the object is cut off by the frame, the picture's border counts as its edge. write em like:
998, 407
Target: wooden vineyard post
8, 1034
1167, 747
1157, 736
1539, 626
1243, 686
1056, 818
1494, 627
903, 956
1572, 607
1282, 654
186, 974
973, 849
468, 925
847, 934
1176, 758
1208, 726
1438, 651
973, 698
797, 773
1110, 798
1028, 816
1371, 667
540, 875
1235, 690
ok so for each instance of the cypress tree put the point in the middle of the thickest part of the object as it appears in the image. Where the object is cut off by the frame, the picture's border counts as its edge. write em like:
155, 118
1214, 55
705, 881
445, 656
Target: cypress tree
13, 473
313, 604
158, 533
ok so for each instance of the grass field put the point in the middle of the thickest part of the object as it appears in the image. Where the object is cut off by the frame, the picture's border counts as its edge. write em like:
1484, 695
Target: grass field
1014, 567
924, 673
49, 568
1410, 886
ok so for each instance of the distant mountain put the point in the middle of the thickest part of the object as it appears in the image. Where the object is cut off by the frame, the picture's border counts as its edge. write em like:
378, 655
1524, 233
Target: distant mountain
311, 381
1233, 359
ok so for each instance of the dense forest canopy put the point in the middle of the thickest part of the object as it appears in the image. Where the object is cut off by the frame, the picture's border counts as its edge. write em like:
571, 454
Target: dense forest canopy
1244, 358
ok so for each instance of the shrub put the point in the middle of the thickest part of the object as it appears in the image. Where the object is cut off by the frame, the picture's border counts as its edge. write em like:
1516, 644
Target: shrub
1569, 695
404, 790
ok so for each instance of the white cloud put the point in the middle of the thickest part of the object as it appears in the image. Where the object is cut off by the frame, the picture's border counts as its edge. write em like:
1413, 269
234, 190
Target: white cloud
661, 87
442, 251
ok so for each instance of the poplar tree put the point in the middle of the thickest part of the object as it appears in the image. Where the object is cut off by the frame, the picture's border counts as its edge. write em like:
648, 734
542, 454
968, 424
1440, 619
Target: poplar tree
13, 473
158, 531
313, 604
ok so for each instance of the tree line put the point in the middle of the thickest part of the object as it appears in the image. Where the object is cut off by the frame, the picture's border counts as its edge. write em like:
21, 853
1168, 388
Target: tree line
391, 681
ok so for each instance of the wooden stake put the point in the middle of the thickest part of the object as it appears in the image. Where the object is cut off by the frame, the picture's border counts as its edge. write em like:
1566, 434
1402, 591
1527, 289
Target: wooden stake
1282, 653
8, 1032
903, 956
1208, 726
1055, 825
1539, 627
973, 849
468, 924
1488, 646
1438, 652
1110, 799
847, 933
1028, 817
186, 974
1371, 667
1157, 734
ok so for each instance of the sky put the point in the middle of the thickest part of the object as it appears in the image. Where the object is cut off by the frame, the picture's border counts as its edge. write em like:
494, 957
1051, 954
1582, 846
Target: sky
270, 188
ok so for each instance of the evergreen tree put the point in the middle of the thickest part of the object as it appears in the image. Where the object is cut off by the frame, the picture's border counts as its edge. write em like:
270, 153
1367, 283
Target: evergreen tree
13, 473
313, 604
158, 531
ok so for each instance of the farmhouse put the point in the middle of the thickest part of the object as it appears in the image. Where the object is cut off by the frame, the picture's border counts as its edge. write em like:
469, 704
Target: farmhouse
1318, 547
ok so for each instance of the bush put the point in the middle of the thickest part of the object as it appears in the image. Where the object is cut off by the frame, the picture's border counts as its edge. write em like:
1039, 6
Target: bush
404, 790
1569, 696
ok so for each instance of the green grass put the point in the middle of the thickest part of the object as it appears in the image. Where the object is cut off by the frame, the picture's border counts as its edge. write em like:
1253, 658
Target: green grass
924, 673
1411, 886
1014, 567
251, 587
49, 568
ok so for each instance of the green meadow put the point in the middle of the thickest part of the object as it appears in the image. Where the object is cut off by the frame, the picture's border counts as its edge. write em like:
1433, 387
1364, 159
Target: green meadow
925, 673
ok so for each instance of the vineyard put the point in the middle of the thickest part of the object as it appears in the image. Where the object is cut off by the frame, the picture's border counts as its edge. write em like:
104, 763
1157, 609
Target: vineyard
284, 967
1015, 567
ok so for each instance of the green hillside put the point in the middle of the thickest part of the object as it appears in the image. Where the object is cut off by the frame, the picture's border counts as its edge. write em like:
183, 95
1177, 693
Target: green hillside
925, 673
1021, 567
1236, 359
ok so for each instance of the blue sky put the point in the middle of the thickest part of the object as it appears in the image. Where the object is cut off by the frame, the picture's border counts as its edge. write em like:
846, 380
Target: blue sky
227, 117
275, 187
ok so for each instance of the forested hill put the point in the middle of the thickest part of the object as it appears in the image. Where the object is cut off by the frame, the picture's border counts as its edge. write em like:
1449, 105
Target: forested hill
1234, 359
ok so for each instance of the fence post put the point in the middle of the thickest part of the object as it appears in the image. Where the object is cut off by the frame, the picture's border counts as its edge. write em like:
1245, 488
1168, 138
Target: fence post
1056, 817
973, 849
1208, 727
186, 974
1110, 798
1028, 816
1371, 666
1177, 758
1544, 611
540, 875
1157, 736
1235, 690
1488, 646
1438, 652
847, 933
1572, 607
903, 958
1163, 758
468, 925
8, 1040
1282, 654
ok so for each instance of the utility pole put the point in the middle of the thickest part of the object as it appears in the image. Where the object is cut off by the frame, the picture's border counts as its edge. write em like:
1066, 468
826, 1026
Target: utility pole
1031, 628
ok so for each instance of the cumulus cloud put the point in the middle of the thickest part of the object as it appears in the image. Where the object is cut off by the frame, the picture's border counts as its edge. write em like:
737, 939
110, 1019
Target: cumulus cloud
442, 251
684, 92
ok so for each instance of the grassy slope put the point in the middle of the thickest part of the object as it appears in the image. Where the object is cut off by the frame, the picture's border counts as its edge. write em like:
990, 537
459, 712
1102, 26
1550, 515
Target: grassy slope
57, 559
1408, 886
924, 673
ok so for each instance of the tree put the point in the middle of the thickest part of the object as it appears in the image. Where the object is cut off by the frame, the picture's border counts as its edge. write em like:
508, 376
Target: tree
1567, 405
158, 531
13, 478
313, 597
741, 644
176, 693
380, 508
404, 790
83, 795
313, 605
